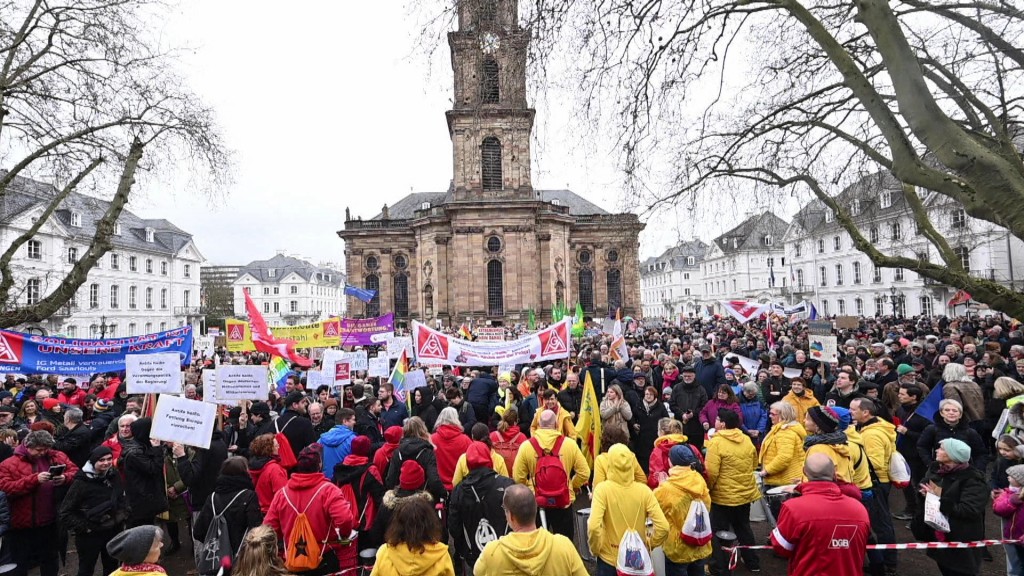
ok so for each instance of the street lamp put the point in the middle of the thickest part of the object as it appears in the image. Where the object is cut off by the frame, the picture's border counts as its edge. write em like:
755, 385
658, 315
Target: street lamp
897, 299
103, 326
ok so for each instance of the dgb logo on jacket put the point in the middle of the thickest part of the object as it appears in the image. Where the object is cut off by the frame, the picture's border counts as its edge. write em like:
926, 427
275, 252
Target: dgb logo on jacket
842, 534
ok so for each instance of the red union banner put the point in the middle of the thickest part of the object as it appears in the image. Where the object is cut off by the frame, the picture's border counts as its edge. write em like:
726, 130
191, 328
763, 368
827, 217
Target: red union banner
745, 311
433, 347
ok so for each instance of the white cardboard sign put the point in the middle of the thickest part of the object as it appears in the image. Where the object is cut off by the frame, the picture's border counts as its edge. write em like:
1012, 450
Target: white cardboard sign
210, 387
153, 373
357, 360
379, 367
414, 379
396, 344
184, 421
241, 382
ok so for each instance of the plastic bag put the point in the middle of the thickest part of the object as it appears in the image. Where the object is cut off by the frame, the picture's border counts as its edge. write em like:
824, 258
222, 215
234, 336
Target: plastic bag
899, 471
634, 558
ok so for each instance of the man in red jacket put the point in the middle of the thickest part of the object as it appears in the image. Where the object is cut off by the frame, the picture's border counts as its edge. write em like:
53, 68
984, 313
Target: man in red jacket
32, 493
70, 393
816, 543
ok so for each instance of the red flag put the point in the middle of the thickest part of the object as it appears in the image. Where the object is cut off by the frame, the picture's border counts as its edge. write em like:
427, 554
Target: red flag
768, 332
265, 342
961, 297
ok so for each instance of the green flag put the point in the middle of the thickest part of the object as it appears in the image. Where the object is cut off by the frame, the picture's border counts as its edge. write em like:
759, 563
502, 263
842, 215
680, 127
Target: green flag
578, 328
531, 324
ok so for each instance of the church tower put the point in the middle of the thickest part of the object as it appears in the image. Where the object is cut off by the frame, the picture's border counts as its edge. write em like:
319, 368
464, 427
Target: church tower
490, 123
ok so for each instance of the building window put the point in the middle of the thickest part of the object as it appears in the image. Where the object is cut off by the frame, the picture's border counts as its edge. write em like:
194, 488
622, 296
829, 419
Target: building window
76, 219
841, 306
686, 276
271, 273
188, 270
115, 293
266, 290
797, 249
830, 215
822, 276
32, 291
926, 306
72, 331
149, 238
690, 260
293, 306
402, 295
428, 300
133, 263
959, 219
149, 265
767, 240
72, 255
964, 255
115, 261
858, 303
885, 199
277, 290
266, 307
821, 246
163, 326
149, 327
876, 276
277, 307
879, 305
495, 288
163, 268
131, 329
372, 263
133, 296
873, 235
490, 163
839, 274
149, 298
824, 308
837, 243
490, 92
494, 244
94, 330
897, 275
586, 281
896, 231
401, 262
372, 283
94, 296
855, 208
112, 331
800, 277
163, 298
856, 273
35, 249
614, 278
186, 298
294, 290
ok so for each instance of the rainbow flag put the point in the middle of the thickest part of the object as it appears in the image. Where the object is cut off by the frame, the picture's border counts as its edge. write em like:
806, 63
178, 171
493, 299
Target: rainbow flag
465, 332
397, 378
588, 426
278, 373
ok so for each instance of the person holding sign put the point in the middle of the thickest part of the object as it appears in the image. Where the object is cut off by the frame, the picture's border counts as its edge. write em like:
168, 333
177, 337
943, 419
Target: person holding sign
142, 459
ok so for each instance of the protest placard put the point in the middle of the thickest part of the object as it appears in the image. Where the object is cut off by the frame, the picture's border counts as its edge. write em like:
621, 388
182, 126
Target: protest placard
357, 360
314, 379
342, 373
184, 421
490, 334
210, 387
241, 382
506, 368
435, 369
414, 379
379, 366
823, 348
396, 344
153, 373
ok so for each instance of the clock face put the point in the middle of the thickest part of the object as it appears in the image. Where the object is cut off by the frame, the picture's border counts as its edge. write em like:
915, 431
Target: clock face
489, 43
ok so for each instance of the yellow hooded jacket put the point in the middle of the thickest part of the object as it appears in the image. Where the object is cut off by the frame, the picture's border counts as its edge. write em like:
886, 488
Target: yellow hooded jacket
730, 461
462, 468
530, 554
840, 456
601, 464
782, 453
575, 464
675, 495
564, 422
400, 561
619, 504
880, 442
801, 403
858, 459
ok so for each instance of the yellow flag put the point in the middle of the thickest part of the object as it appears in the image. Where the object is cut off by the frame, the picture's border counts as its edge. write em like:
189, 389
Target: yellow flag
588, 425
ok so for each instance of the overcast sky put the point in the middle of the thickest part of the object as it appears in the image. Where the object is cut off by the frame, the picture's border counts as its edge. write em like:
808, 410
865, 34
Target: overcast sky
330, 106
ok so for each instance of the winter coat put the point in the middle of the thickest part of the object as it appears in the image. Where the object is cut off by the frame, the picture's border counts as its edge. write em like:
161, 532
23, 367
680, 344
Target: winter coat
76, 443
369, 425
242, 515
268, 476
426, 410
710, 375
95, 502
144, 478
528, 412
449, 443
326, 508
394, 415
482, 390
391, 500
571, 399
535, 553
475, 512
616, 415
969, 395
964, 500
647, 418
805, 535
674, 495
730, 462
836, 447
710, 411
297, 428
620, 504
906, 443
858, 457
659, 466
782, 453
801, 403
462, 468
200, 471
1005, 507
576, 468
879, 442
33, 504
939, 431
685, 398
423, 452
337, 443
367, 485
754, 415
401, 561
603, 462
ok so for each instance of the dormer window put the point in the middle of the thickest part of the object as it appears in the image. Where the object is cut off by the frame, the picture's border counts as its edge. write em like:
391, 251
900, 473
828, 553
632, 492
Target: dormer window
767, 240
117, 228
855, 208
425, 206
830, 215
150, 233
885, 199
271, 273
556, 202
76, 219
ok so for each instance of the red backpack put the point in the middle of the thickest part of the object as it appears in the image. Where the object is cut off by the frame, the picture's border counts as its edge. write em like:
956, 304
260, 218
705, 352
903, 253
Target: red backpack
507, 449
550, 480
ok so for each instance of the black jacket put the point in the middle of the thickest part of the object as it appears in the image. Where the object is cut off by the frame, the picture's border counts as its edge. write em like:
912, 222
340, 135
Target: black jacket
421, 451
648, 419
939, 431
427, 409
475, 513
95, 503
964, 501
243, 514
143, 466
297, 429
571, 399
369, 425
200, 471
366, 484
76, 443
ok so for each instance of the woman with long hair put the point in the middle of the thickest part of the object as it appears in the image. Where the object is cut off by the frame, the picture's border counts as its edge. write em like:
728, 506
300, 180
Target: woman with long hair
28, 415
265, 469
615, 411
413, 545
507, 439
652, 410
259, 554
724, 398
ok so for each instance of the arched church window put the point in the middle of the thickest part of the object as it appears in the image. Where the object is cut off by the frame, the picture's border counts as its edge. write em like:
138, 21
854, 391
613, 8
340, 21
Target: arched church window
490, 159
586, 280
402, 295
495, 289
490, 92
614, 279
372, 308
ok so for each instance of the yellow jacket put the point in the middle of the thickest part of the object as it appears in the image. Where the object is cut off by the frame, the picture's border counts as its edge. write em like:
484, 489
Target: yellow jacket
730, 461
880, 442
782, 453
532, 554
601, 470
400, 561
620, 504
462, 469
801, 403
674, 495
564, 422
122, 572
858, 459
570, 455
840, 456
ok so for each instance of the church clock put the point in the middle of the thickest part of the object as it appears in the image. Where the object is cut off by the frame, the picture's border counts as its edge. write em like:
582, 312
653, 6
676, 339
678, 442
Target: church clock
489, 43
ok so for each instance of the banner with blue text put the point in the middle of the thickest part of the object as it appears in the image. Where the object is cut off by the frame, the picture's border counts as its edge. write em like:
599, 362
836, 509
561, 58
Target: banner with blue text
30, 353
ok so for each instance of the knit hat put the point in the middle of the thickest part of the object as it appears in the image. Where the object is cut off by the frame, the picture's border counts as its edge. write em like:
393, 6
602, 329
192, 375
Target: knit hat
310, 459
845, 419
98, 453
293, 397
102, 405
1017, 473
133, 545
478, 455
412, 476
904, 369
681, 455
330, 402
825, 417
957, 450
393, 435
49, 404
505, 377
260, 409
666, 390
361, 446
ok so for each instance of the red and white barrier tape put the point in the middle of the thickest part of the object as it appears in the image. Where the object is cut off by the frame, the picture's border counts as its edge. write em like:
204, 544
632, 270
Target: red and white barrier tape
734, 551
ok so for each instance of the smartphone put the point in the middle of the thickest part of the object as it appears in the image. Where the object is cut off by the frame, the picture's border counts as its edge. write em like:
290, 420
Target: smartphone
57, 470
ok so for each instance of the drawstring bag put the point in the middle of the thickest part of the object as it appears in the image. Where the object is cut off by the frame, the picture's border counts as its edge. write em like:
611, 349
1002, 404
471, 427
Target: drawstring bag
634, 558
696, 529
899, 471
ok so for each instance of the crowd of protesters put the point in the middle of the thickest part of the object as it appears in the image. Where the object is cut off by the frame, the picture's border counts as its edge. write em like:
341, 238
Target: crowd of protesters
485, 472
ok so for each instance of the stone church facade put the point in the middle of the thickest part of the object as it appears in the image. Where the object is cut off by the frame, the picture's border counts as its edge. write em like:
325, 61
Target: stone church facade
492, 248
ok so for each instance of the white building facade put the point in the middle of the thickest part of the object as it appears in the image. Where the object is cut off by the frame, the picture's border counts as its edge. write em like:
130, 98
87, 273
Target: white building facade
670, 284
747, 262
290, 291
147, 283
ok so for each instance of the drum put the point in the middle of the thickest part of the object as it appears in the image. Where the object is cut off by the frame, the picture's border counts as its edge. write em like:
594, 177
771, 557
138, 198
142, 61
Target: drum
367, 556
582, 544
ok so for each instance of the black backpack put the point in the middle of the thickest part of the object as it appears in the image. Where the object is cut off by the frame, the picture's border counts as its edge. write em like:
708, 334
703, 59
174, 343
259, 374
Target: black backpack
217, 543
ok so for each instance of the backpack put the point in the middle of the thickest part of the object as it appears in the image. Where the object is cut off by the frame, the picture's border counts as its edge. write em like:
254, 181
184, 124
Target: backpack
506, 449
696, 529
217, 544
368, 513
284, 447
550, 480
302, 551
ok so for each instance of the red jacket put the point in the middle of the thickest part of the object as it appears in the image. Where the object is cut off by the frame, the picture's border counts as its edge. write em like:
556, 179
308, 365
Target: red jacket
816, 543
77, 398
32, 503
268, 479
327, 510
382, 457
449, 443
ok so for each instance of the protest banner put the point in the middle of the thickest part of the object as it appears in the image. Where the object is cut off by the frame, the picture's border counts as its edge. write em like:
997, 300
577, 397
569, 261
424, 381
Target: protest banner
357, 360
379, 367
751, 366
366, 331
322, 334
204, 345
490, 334
819, 327
396, 344
153, 373
435, 369
431, 346
242, 382
188, 422
823, 348
34, 354
847, 322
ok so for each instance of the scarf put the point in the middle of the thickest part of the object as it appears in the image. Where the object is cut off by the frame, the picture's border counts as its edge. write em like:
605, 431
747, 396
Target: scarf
947, 469
833, 438
143, 567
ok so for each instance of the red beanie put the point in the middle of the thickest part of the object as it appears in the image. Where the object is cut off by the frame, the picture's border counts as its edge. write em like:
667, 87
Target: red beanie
393, 435
49, 403
412, 476
478, 456
361, 446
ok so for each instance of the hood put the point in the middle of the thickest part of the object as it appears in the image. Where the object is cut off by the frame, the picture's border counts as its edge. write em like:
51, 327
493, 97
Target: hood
393, 435
348, 474
883, 425
140, 430
735, 435
410, 447
669, 440
448, 432
686, 479
527, 552
258, 463
795, 427
512, 431
337, 436
620, 469
88, 472
478, 455
405, 561
231, 484
426, 395
396, 496
305, 480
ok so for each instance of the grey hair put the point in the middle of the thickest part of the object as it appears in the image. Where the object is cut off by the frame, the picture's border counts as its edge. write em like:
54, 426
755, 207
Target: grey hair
954, 372
129, 417
39, 439
785, 410
750, 387
951, 402
73, 415
447, 416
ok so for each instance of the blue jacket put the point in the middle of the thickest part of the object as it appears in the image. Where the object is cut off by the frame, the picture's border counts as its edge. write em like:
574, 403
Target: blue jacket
755, 415
482, 389
394, 416
527, 410
709, 375
337, 443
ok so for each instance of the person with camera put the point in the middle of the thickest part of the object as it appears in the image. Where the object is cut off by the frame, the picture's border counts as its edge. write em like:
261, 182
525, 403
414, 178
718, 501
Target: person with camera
95, 509
32, 480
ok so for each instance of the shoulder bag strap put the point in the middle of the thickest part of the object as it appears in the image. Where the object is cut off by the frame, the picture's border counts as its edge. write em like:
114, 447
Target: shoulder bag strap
235, 497
313, 497
558, 445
